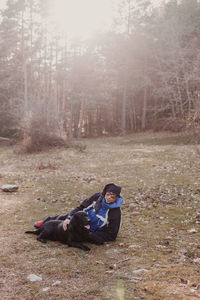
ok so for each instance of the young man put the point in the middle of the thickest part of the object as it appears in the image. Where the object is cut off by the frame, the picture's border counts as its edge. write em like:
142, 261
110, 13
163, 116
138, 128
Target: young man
104, 213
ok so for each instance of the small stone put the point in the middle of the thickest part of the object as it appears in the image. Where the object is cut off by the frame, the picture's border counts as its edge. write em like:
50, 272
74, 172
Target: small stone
45, 289
9, 188
33, 277
193, 230
57, 282
99, 262
113, 267
197, 260
140, 271
110, 271
114, 251
182, 252
134, 246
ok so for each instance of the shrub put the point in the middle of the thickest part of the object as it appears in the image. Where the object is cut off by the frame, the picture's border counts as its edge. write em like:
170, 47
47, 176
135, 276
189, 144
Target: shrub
38, 136
169, 124
80, 147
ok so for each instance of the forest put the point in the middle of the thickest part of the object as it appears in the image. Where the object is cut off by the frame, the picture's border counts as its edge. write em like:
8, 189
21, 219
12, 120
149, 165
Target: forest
143, 73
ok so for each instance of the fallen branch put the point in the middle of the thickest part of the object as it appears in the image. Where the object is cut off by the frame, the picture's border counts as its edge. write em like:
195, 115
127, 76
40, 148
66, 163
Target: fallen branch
121, 261
114, 266
4, 139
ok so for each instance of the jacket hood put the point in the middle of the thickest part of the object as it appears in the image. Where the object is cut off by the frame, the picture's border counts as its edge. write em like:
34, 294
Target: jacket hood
117, 203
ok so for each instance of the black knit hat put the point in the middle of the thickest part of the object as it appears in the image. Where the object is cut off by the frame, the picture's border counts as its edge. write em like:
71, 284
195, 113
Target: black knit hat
113, 188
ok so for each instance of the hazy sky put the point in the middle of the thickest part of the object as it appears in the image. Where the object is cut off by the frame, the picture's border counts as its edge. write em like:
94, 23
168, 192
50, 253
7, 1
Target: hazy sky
92, 15
2, 2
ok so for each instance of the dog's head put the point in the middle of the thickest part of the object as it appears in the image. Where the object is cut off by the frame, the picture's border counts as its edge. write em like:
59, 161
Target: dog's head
81, 219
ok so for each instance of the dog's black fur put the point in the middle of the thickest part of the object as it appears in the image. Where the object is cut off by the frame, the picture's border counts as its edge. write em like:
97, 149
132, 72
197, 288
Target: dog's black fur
77, 231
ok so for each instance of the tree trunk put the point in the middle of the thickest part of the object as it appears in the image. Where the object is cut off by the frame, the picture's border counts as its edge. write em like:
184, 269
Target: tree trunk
71, 122
24, 68
144, 112
80, 126
124, 101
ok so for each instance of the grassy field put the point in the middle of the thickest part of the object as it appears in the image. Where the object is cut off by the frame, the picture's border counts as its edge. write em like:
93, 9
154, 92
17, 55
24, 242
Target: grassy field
157, 252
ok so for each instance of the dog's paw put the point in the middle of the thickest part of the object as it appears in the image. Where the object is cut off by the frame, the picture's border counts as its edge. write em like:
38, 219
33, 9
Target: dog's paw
41, 240
98, 243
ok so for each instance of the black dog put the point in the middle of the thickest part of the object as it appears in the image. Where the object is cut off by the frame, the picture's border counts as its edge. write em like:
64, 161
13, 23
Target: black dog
77, 231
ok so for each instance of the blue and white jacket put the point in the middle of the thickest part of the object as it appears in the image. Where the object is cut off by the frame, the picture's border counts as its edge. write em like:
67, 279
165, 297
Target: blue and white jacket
104, 218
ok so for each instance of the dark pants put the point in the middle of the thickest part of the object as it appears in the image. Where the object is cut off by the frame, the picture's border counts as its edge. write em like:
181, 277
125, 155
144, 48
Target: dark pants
58, 217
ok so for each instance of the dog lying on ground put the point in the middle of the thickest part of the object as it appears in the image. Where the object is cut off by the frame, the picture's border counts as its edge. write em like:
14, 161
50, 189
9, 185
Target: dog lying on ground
77, 231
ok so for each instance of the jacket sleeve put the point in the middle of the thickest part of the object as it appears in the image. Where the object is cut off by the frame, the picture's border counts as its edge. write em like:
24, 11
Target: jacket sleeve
84, 204
110, 232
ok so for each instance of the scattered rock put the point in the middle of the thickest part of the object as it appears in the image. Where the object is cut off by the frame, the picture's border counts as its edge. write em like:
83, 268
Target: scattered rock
113, 267
134, 246
57, 282
46, 289
33, 277
9, 188
113, 251
182, 258
197, 260
140, 271
110, 271
99, 262
182, 252
193, 230
54, 200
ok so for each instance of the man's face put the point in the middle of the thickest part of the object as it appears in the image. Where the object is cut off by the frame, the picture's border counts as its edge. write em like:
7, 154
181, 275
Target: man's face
110, 197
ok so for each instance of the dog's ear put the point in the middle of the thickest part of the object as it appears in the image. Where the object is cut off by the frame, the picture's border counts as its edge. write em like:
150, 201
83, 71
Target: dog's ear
74, 218
78, 215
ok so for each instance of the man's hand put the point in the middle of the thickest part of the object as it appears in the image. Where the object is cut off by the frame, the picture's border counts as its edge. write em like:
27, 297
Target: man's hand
65, 224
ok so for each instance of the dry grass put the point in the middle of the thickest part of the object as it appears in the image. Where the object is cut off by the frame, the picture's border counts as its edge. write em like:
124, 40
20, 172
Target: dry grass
160, 181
